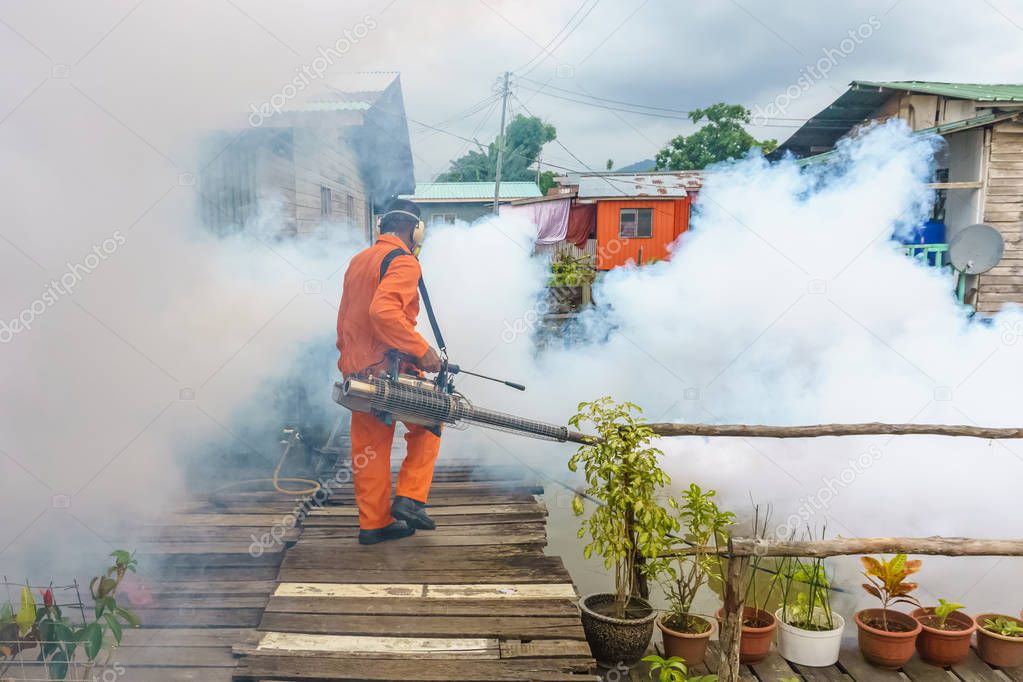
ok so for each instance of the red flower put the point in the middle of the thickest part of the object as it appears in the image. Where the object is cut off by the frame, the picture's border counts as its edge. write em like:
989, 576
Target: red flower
47, 598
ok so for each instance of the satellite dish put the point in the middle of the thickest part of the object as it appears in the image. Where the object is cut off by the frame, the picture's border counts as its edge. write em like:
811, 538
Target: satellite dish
976, 249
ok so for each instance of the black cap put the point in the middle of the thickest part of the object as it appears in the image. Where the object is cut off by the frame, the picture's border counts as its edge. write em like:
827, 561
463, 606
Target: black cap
399, 221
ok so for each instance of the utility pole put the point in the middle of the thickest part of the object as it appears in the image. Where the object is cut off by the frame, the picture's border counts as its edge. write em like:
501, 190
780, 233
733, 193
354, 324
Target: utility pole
500, 143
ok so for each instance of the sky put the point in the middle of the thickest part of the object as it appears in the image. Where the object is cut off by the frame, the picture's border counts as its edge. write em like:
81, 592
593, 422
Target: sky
142, 63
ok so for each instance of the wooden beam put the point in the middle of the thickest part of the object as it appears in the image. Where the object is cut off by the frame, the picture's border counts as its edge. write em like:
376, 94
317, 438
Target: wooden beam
819, 430
940, 546
730, 636
966, 184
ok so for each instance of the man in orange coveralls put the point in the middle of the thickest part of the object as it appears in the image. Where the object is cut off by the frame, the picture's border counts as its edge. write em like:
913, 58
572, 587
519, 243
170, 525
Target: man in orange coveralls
378, 314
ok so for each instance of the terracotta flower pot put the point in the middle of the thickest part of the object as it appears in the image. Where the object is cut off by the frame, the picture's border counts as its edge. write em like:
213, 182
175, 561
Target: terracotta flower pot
617, 640
944, 647
887, 648
995, 649
755, 641
690, 646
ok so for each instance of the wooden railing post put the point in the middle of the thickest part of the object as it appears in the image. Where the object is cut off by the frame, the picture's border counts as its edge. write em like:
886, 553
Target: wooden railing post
731, 624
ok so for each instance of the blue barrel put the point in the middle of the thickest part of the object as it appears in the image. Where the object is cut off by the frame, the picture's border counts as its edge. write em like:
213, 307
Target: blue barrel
930, 232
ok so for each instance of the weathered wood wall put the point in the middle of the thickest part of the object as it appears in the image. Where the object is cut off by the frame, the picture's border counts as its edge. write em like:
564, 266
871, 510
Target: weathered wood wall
1003, 209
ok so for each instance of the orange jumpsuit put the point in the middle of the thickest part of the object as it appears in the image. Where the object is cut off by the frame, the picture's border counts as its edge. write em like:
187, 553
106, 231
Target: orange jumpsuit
375, 316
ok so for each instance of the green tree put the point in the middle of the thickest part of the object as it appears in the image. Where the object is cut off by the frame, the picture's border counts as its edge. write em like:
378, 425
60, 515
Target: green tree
723, 137
525, 137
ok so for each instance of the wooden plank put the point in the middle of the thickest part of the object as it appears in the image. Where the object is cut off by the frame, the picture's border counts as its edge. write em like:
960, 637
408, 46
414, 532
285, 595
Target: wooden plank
176, 656
349, 590
360, 646
482, 559
918, 671
425, 607
545, 648
774, 667
437, 575
187, 637
212, 587
315, 668
208, 617
975, 670
851, 661
507, 627
423, 591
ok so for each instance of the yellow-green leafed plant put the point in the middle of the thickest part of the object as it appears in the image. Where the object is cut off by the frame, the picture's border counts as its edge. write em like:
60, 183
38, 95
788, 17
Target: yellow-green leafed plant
673, 669
623, 473
943, 610
886, 580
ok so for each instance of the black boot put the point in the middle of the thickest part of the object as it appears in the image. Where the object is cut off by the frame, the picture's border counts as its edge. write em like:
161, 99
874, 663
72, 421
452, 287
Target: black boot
412, 512
395, 531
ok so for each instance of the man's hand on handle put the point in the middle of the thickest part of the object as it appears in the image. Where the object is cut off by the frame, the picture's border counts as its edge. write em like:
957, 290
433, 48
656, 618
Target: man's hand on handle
430, 361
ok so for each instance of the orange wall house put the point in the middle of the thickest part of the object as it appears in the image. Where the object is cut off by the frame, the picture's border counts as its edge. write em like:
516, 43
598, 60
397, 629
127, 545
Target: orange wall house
638, 230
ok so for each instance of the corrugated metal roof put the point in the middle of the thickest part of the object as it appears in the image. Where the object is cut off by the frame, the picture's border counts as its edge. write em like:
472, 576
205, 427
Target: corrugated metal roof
472, 191
982, 92
862, 99
943, 129
658, 184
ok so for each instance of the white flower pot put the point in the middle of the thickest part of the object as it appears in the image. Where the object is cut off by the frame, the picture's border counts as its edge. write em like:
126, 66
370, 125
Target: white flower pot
813, 648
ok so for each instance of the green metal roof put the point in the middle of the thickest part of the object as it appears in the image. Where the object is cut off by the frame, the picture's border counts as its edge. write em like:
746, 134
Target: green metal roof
472, 191
857, 104
982, 92
943, 129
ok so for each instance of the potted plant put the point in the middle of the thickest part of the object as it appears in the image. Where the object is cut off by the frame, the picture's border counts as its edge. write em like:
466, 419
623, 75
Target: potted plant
1000, 640
758, 623
683, 573
945, 638
809, 632
888, 638
673, 669
622, 472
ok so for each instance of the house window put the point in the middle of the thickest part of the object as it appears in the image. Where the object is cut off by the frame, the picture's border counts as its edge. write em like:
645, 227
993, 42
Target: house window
325, 203
443, 218
635, 223
350, 206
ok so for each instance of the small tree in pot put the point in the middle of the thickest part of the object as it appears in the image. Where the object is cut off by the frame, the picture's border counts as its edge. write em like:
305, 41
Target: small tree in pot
888, 638
945, 638
623, 474
683, 574
809, 632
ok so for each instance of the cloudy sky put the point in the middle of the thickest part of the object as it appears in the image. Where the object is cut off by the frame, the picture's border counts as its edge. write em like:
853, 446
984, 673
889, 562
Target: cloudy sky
159, 68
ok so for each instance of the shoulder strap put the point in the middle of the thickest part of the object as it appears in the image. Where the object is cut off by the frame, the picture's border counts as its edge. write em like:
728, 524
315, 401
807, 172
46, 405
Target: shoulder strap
423, 293
390, 256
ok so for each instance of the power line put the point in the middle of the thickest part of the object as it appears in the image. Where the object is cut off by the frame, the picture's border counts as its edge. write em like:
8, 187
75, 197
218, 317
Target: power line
564, 38
544, 49
681, 112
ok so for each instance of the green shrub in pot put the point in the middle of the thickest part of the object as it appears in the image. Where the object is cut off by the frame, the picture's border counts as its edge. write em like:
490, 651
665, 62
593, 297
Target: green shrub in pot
682, 574
623, 474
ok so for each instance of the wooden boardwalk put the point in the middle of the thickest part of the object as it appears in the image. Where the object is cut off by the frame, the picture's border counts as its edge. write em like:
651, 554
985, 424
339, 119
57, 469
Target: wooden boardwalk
476, 599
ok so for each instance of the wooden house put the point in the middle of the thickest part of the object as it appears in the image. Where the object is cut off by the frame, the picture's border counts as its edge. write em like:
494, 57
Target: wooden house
980, 168
326, 161
638, 215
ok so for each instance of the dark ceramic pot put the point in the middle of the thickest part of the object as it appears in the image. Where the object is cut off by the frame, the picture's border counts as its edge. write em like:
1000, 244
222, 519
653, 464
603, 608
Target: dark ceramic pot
887, 648
617, 640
